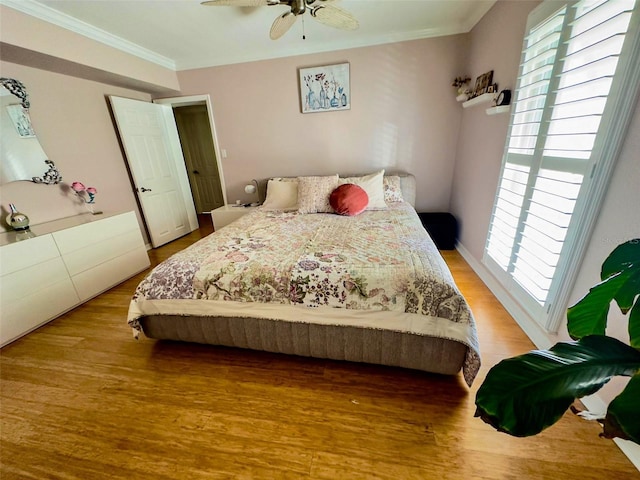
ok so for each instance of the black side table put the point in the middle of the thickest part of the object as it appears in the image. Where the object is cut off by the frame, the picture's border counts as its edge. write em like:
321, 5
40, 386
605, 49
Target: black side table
443, 228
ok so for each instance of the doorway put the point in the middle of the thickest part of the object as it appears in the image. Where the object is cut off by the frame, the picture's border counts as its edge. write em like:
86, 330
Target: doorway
196, 129
200, 157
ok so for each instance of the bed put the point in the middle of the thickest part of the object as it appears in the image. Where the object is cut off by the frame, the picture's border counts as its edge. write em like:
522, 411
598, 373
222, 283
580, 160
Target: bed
367, 288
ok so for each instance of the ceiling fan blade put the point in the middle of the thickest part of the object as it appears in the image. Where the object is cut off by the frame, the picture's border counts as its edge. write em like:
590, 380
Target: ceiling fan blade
281, 25
240, 3
334, 17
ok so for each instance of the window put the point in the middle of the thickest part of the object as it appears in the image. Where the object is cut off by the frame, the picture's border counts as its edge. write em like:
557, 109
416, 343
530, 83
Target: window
579, 68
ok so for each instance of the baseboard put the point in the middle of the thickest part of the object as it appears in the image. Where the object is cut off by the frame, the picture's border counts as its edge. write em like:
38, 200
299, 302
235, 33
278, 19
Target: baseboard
542, 340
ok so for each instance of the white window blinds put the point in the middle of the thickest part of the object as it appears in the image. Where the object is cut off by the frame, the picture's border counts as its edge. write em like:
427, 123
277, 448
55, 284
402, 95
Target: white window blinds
570, 61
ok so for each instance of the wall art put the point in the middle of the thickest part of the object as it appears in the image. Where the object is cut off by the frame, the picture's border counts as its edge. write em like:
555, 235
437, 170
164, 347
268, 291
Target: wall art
325, 89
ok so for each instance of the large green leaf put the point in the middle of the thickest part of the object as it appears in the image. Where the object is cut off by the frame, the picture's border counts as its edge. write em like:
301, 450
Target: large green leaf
524, 395
624, 256
620, 282
623, 416
589, 315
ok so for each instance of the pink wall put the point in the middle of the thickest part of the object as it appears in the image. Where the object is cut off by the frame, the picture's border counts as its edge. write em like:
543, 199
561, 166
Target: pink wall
72, 121
403, 116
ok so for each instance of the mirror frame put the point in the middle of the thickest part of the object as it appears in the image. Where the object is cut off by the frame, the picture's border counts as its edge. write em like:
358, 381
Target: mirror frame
51, 175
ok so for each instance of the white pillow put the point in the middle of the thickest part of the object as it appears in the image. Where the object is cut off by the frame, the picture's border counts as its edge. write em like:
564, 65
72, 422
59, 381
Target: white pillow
281, 195
314, 192
372, 184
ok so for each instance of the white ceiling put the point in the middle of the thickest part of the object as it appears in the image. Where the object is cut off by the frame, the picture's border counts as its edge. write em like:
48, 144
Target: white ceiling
182, 34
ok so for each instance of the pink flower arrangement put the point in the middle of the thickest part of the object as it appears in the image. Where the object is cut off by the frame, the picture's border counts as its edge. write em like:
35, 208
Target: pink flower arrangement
78, 187
81, 190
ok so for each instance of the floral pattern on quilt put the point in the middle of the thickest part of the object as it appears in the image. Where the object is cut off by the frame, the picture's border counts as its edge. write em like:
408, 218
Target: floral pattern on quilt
373, 261
326, 260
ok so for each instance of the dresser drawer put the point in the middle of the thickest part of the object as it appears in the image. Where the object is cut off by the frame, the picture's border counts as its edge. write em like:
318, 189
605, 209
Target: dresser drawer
90, 283
32, 296
88, 234
88, 257
33, 251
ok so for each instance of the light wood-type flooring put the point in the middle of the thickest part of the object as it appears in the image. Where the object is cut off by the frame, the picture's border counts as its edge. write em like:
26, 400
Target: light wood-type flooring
81, 399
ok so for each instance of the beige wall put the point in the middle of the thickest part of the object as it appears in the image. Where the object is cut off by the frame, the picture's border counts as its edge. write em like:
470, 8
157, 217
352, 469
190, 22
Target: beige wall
403, 116
72, 121
496, 43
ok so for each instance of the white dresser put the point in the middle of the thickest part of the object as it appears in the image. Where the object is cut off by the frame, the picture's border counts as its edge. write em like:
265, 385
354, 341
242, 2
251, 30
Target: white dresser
65, 263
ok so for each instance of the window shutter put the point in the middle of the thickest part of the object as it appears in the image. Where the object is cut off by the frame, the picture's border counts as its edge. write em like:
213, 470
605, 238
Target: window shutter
569, 64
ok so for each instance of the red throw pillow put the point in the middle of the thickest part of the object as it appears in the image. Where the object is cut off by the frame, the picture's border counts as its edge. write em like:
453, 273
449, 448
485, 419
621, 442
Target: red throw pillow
349, 199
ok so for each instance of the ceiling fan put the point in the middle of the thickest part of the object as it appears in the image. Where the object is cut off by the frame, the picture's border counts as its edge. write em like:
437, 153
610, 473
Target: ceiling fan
321, 10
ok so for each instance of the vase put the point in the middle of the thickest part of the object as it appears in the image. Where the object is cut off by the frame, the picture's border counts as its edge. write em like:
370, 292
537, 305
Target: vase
17, 220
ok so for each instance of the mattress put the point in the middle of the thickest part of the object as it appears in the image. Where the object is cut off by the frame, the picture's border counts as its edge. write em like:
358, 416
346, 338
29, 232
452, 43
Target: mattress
371, 288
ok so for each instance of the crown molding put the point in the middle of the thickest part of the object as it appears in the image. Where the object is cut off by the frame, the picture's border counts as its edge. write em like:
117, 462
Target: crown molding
266, 54
42, 12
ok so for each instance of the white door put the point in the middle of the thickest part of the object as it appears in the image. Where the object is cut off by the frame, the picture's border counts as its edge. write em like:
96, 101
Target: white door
152, 147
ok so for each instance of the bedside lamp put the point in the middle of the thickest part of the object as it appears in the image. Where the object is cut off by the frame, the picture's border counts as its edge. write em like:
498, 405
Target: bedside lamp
252, 188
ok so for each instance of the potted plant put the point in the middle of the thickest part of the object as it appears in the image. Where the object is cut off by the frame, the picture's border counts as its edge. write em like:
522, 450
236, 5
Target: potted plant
461, 87
526, 394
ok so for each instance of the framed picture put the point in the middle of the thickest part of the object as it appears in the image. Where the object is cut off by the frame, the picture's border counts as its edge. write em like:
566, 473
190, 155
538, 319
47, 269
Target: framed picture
325, 89
482, 83
21, 121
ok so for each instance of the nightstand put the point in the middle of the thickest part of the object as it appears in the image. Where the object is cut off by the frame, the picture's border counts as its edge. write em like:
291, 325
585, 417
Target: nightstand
223, 216
442, 227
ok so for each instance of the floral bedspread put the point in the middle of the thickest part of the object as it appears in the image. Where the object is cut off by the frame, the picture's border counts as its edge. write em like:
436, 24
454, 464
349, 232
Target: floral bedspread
378, 260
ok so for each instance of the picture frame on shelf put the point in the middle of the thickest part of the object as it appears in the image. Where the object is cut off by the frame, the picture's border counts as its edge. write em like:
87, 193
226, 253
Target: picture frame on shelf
482, 83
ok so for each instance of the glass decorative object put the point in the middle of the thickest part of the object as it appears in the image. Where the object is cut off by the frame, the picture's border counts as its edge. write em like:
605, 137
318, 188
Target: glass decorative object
17, 220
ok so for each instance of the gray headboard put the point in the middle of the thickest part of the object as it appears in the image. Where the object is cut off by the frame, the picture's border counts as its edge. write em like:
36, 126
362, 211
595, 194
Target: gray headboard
407, 185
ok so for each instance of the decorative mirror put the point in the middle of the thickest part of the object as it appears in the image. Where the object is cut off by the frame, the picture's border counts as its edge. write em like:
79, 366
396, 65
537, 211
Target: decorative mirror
21, 156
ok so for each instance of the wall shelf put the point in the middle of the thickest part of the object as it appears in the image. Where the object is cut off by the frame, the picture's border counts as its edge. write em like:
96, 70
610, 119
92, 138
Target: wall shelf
498, 110
480, 99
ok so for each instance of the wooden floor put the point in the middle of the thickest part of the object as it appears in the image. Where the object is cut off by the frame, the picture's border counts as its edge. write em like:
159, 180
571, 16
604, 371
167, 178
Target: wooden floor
81, 399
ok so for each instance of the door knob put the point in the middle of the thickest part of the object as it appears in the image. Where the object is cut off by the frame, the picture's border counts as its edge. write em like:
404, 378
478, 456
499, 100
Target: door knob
142, 189
196, 172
